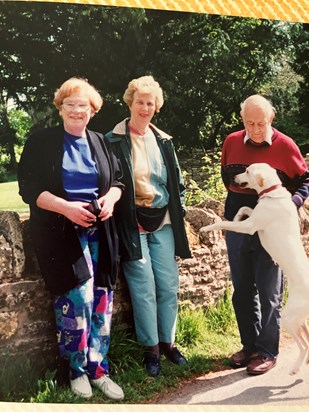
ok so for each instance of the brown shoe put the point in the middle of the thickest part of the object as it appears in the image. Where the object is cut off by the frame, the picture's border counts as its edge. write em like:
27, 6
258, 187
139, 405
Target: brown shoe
241, 359
260, 365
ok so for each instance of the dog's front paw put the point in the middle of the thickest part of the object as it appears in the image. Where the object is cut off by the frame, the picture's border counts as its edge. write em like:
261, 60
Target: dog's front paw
241, 217
243, 214
209, 228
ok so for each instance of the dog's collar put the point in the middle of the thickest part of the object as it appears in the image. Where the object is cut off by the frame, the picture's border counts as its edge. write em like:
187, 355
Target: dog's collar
270, 189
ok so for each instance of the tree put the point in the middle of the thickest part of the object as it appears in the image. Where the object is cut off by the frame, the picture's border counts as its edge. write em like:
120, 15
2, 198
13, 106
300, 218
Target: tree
301, 66
206, 64
44, 44
283, 91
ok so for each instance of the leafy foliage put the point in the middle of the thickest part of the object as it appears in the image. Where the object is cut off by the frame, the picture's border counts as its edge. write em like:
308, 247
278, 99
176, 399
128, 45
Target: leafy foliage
21, 123
212, 187
210, 64
300, 64
206, 65
47, 388
194, 194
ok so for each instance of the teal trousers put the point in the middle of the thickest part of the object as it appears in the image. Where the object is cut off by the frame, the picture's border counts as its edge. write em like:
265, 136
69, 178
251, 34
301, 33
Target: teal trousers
153, 284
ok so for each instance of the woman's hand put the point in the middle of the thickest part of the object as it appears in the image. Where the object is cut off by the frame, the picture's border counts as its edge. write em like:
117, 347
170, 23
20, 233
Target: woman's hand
108, 201
75, 211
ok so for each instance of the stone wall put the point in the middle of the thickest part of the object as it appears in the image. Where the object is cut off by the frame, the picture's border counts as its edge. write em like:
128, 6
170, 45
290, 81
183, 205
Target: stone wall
26, 322
26, 315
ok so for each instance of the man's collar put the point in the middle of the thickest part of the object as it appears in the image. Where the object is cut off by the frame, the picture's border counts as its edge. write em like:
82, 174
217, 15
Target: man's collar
268, 138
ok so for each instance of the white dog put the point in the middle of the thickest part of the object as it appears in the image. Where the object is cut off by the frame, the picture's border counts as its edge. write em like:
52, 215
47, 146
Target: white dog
275, 219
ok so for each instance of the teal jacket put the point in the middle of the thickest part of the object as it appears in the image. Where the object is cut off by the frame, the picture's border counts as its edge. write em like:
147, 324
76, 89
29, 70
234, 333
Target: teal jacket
125, 212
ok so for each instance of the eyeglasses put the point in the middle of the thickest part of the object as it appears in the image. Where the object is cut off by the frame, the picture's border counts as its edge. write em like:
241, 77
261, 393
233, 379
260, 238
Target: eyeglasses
79, 107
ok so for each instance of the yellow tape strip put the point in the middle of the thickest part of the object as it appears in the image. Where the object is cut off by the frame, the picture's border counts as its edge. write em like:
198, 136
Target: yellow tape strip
289, 10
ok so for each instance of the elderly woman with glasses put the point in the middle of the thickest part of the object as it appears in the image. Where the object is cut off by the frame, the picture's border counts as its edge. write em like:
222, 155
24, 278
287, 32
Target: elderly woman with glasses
69, 178
150, 218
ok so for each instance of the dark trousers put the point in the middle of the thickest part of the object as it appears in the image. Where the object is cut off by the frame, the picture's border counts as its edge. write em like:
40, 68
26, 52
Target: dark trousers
258, 289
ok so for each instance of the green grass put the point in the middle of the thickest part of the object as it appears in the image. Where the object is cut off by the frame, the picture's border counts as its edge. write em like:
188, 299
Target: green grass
206, 349
10, 199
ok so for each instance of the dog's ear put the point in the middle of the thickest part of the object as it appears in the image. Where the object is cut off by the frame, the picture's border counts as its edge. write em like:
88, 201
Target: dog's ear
260, 179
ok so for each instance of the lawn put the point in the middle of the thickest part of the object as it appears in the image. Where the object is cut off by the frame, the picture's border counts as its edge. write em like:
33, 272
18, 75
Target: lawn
10, 199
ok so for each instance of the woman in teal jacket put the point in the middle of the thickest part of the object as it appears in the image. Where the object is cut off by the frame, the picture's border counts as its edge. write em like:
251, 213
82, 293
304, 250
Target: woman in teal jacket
150, 221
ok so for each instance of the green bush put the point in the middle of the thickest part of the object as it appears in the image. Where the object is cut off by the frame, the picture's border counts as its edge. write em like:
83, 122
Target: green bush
194, 194
213, 186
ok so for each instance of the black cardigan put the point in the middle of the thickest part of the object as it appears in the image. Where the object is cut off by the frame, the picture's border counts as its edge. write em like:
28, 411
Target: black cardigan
58, 250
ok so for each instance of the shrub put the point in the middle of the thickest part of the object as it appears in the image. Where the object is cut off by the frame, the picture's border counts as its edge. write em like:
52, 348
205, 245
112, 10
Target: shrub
213, 186
194, 194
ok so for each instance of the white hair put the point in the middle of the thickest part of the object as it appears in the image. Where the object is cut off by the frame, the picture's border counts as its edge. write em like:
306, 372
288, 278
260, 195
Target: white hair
258, 101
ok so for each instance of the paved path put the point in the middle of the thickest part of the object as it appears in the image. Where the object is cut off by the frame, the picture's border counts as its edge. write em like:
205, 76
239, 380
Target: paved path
236, 387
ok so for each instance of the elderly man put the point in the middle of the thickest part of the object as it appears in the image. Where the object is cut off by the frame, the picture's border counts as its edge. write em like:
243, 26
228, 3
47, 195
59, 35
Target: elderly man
256, 278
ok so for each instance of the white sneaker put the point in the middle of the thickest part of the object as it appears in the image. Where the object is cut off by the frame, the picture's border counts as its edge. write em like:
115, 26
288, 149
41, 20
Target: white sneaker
81, 386
108, 387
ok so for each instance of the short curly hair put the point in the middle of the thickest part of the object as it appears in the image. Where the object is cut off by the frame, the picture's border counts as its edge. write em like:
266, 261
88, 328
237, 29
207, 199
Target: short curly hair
144, 84
78, 84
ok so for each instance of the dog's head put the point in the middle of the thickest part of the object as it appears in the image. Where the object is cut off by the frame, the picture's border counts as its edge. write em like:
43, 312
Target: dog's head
258, 176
